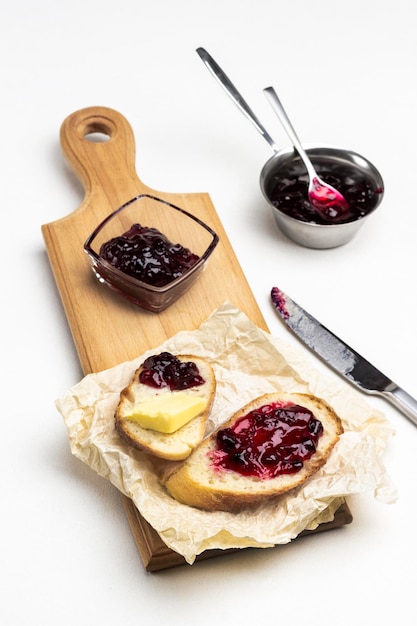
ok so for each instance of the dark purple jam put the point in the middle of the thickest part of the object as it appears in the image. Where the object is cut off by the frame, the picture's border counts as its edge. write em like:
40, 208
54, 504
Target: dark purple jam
146, 254
166, 370
289, 194
268, 441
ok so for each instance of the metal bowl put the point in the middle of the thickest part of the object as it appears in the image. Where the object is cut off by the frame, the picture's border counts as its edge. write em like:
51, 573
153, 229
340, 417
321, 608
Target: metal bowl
287, 163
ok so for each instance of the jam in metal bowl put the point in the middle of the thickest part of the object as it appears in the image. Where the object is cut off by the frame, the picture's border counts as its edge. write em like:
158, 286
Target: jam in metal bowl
284, 183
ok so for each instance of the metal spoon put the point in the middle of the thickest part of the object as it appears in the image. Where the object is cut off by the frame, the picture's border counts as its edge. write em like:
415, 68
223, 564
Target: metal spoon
231, 91
240, 102
324, 198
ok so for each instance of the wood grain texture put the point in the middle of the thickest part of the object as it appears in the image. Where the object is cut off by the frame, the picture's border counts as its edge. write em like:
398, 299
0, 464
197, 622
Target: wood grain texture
107, 329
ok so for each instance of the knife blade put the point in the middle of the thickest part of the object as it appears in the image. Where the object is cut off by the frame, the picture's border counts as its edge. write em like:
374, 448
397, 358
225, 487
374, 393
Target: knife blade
340, 357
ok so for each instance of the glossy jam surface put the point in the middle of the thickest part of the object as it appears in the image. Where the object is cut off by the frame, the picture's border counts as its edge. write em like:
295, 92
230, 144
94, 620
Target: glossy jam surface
267, 442
166, 370
146, 254
289, 194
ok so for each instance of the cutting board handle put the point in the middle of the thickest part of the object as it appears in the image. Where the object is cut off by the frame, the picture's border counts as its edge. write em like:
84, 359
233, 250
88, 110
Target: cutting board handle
99, 145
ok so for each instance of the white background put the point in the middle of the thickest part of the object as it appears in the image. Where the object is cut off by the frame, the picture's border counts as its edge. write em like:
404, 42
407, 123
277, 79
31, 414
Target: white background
346, 72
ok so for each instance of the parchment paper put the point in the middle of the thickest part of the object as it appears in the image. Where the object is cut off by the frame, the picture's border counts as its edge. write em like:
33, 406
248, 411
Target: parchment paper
247, 362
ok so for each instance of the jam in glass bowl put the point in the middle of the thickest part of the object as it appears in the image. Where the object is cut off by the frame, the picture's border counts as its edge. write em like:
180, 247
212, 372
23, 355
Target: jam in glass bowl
150, 251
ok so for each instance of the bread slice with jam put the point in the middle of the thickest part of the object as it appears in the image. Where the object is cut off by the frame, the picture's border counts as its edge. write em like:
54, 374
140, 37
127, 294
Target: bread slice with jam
154, 415
269, 447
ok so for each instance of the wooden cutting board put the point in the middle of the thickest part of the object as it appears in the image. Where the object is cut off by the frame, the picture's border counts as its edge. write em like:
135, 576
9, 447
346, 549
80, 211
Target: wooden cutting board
99, 145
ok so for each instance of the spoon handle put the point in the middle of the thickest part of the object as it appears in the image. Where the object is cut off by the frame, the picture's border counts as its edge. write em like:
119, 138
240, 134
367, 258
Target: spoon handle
276, 104
234, 94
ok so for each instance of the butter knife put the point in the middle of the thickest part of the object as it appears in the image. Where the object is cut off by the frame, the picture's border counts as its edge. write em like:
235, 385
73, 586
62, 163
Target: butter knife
340, 357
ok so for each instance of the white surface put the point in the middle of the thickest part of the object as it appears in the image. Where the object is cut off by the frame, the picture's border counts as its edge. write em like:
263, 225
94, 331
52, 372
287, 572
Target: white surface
67, 554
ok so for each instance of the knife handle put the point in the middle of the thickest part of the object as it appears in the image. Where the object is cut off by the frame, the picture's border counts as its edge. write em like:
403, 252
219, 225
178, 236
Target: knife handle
403, 401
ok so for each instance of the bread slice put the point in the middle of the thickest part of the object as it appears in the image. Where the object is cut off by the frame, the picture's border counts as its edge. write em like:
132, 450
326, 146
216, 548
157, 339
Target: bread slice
179, 444
197, 482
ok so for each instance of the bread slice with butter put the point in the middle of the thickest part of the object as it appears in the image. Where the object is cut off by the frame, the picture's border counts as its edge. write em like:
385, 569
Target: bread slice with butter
167, 423
200, 482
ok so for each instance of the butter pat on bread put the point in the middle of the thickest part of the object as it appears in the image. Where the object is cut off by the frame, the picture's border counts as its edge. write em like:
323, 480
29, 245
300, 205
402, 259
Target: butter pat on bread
167, 412
172, 446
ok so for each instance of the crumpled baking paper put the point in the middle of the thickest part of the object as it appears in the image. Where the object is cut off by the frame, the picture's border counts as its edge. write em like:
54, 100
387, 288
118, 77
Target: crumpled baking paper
248, 362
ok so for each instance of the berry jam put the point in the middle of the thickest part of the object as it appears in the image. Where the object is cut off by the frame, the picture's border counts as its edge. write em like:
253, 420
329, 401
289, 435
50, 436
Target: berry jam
267, 442
146, 254
166, 370
289, 194
279, 300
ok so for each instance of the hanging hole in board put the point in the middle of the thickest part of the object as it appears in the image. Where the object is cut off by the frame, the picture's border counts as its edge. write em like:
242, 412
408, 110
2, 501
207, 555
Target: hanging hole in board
97, 137
97, 132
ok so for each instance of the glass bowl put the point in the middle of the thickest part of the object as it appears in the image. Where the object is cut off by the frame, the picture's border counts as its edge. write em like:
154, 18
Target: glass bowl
180, 228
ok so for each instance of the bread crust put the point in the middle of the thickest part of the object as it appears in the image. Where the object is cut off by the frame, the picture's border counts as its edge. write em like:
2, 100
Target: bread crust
175, 446
196, 483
